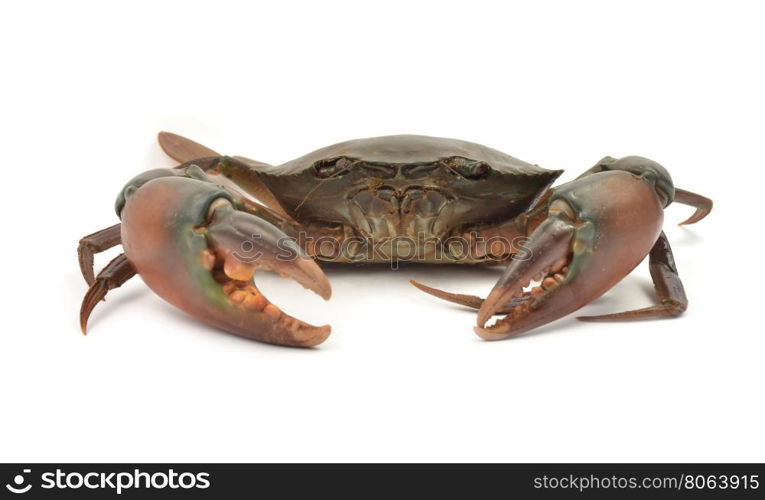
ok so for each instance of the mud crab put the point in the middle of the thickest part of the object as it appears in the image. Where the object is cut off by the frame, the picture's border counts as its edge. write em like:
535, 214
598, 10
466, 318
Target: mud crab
197, 233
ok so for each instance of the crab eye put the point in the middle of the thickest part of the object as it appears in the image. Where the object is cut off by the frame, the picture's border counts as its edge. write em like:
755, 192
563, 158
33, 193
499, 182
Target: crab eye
472, 169
334, 167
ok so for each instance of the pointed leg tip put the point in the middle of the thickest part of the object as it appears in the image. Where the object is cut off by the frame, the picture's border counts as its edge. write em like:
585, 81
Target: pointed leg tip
652, 312
691, 220
456, 298
84, 315
95, 294
427, 289
84, 322
613, 317
590, 319
419, 285
702, 204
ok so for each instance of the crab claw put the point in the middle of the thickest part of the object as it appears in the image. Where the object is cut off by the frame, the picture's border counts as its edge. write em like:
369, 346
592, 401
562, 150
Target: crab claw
192, 246
598, 228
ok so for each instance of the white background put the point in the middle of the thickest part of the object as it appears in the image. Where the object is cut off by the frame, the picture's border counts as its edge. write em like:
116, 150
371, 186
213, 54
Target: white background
86, 86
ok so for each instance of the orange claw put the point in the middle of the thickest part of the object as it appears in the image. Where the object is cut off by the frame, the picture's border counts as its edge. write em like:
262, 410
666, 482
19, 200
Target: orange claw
189, 243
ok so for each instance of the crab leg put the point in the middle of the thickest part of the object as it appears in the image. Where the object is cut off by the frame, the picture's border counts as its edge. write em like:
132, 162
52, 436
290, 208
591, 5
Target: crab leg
93, 244
191, 244
471, 301
669, 288
237, 169
114, 275
182, 149
702, 204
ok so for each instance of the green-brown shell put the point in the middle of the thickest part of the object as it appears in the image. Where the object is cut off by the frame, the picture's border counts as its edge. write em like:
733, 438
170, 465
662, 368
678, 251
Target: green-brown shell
489, 185
407, 149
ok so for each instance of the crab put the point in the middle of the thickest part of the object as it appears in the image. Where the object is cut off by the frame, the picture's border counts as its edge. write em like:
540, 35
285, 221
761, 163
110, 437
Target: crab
197, 233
